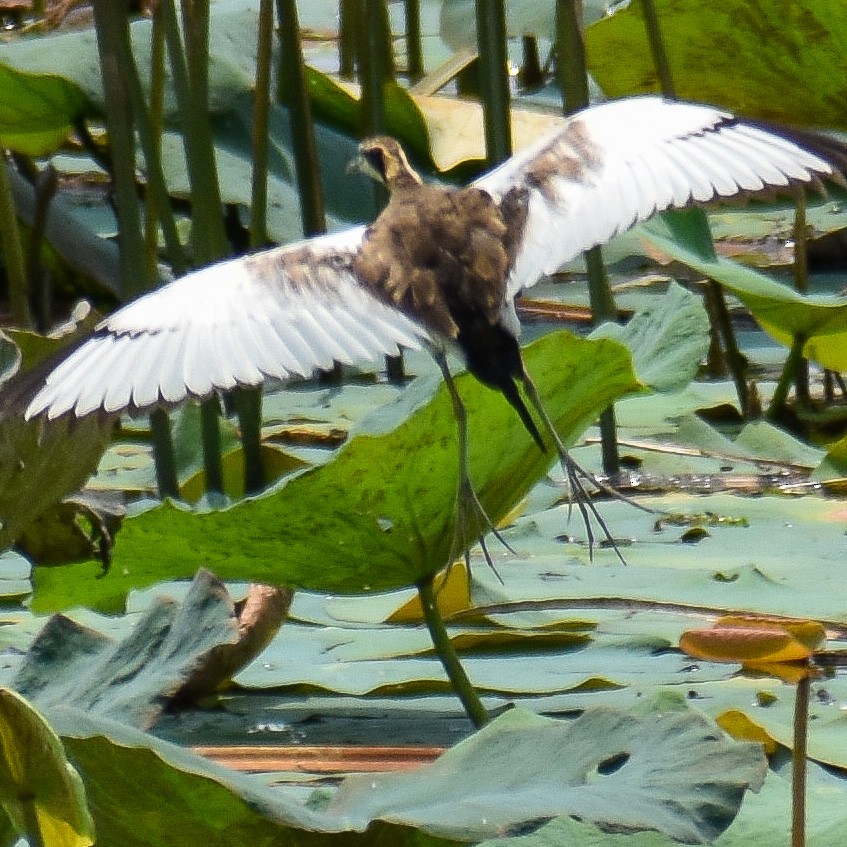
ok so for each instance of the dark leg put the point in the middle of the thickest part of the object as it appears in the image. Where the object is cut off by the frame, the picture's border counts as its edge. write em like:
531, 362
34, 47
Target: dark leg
468, 506
577, 476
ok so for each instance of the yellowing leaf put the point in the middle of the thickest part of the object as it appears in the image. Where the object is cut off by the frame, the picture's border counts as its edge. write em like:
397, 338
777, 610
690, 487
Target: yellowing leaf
743, 644
810, 633
740, 726
452, 595
39, 789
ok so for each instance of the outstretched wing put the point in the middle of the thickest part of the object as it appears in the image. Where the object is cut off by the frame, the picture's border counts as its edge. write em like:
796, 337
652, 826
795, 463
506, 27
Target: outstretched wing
281, 312
618, 163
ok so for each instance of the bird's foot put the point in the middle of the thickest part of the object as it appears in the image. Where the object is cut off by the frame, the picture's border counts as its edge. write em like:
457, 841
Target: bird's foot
471, 513
577, 478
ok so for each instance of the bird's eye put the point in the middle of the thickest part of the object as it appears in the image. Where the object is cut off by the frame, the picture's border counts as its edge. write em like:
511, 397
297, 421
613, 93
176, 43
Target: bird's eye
376, 159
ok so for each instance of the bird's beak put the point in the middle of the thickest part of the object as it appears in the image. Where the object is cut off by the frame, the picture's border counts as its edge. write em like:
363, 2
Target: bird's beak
357, 165
360, 165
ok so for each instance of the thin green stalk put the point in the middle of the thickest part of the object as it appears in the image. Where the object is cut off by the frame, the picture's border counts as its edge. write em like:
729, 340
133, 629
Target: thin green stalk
494, 79
112, 28
715, 359
447, 654
113, 35
798, 762
734, 358
158, 211
189, 69
374, 68
348, 37
259, 139
248, 401
46, 182
156, 113
149, 129
208, 233
657, 48
164, 454
295, 94
570, 50
414, 45
801, 282
13, 253
248, 406
786, 378
573, 79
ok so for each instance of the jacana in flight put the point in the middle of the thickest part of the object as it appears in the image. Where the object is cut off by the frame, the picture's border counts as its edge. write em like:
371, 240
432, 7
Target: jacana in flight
439, 267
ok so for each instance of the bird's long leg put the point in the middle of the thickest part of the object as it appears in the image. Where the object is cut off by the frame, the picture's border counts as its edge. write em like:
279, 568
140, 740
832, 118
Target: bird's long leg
468, 504
576, 476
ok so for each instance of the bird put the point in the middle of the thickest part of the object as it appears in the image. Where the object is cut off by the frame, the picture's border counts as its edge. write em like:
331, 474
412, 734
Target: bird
439, 268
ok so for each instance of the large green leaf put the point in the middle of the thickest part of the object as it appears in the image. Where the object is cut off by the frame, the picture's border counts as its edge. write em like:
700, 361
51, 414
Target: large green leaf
382, 513
37, 111
757, 57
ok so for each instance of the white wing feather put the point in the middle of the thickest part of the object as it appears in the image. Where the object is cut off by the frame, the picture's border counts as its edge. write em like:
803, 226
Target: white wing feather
283, 312
623, 161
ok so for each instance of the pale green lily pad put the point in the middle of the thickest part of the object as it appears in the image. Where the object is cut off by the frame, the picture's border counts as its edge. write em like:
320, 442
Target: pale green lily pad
610, 775
73, 665
668, 341
764, 820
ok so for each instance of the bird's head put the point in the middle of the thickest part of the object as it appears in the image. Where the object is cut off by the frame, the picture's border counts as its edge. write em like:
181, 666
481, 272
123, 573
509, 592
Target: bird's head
383, 159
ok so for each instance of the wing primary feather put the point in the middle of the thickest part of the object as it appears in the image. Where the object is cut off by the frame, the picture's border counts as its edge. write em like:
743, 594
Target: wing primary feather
88, 392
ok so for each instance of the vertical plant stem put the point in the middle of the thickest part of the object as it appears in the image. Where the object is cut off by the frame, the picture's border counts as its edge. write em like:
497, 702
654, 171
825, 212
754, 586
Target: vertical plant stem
447, 654
248, 401
798, 762
113, 45
348, 37
295, 94
414, 46
13, 253
786, 378
248, 406
374, 71
138, 262
158, 211
657, 48
190, 75
734, 358
45, 185
570, 50
573, 79
494, 79
801, 283
164, 455
156, 112
259, 138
